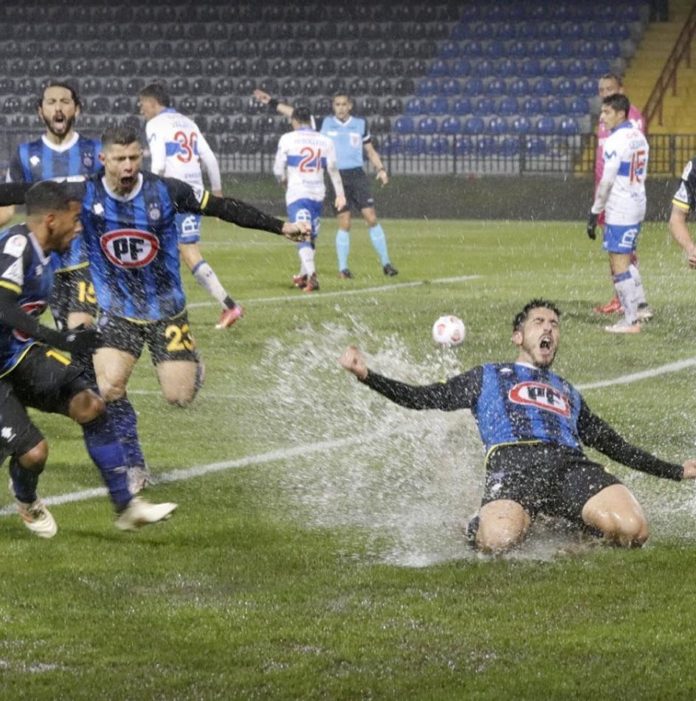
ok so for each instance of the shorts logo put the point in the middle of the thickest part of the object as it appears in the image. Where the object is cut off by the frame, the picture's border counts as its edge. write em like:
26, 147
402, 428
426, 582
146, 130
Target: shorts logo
129, 248
541, 396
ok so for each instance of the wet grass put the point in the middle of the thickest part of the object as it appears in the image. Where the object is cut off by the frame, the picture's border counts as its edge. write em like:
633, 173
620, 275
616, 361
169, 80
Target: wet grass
331, 565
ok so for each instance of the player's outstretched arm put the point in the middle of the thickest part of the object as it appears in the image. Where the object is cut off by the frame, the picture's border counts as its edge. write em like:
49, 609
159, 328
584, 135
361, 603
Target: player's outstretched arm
265, 99
354, 361
689, 469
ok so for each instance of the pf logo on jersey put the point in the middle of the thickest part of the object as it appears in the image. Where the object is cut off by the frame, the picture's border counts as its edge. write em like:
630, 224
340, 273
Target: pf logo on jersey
129, 248
540, 395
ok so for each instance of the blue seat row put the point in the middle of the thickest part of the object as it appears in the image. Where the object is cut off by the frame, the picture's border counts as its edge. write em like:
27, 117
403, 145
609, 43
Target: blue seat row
507, 105
497, 124
529, 67
518, 87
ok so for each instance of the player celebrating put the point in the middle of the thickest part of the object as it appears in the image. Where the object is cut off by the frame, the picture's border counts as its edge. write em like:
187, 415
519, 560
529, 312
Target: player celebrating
621, 195
178, 149
301, 159
352, 140
35, 375
533, 424
62, 154
131, 242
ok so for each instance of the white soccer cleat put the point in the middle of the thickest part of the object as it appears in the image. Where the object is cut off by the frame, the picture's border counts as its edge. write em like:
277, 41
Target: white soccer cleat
37, 518
141, 513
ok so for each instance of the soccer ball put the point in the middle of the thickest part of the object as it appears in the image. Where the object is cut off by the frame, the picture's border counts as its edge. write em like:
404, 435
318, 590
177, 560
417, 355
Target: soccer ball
449, 330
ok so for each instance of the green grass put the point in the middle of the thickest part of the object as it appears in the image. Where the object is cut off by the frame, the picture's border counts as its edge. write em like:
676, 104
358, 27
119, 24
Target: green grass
330, 563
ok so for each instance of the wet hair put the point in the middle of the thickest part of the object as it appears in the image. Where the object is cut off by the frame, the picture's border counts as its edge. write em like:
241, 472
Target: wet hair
156, 91
522, 315
302, 114
60, 84
613, 76
49, 196
618, 102
121, 135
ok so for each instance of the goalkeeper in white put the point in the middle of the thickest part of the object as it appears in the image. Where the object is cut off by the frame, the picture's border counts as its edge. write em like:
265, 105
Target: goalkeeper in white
302, 157
621, 195
178, 150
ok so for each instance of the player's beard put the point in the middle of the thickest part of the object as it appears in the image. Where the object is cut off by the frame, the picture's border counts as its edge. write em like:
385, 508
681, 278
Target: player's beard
64, 127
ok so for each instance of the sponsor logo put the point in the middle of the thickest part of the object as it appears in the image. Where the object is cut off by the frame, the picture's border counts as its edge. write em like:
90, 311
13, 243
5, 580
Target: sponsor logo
129, 248
540, 395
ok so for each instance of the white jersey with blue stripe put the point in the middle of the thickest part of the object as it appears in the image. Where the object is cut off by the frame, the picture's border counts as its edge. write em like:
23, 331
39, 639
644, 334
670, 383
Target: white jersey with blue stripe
621, 191
179, 150
302, 157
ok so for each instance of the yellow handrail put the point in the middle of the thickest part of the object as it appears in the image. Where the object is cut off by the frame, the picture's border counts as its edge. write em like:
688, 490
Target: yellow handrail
668, 77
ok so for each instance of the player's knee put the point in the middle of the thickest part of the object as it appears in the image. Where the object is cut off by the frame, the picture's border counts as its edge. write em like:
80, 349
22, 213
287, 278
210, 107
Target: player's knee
35, 458
86, 406
629, 530
501, 527
111, 391
180, 396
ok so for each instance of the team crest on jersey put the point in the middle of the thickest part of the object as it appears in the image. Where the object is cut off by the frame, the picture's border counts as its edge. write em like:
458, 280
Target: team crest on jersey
87, 160
35, 309
540, 395
129, 248
154, 213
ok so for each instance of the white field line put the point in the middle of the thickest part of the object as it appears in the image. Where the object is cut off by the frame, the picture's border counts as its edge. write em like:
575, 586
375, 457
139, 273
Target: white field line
346, 292
322, 446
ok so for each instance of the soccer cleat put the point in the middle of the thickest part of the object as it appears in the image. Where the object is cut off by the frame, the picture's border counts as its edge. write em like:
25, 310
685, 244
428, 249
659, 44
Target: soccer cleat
37, 518
345, 274
138, 478
312, 283
390, 270
229, 316
644, 312
300, 281
623, 327
140, 513
613, 307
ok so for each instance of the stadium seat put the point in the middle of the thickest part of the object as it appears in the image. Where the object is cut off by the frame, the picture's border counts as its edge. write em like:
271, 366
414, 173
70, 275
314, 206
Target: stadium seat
210, 104
576, 68
281, 67
325, 67
393, 68
427, 125
473, 125
588, 87
133, 85
427, 87
251, 144
415, 106
553, 68
122, 105
219, 124
484, 105
105, 67
440, 68
391, 145
312, 86
463, 145
179, 86
542, 87
509, 146
416, 66
380, 124
495, 87
535, 146
578, 105
462, 106
391, 107
336, 84
188, 104
242, 124
461, 67
497, 125
520, 125
473, 86
381, 86
508, 105
519, 87
28, 86
113, 86
98, 105
439, 145
531, 67
566, 87
404, 86
569, 125
451, 125
545, 125
292, 86
7, 86
556, 106
450, 87
439, 106
323, 106
449, 49
404, 125
486, 146
507, 68
201, 86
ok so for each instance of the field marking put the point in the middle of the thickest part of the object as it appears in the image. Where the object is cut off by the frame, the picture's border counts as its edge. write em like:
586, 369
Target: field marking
311, 448
342, 293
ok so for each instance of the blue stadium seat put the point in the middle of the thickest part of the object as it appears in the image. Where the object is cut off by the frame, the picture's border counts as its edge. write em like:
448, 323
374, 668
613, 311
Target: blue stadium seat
404, 86
486, 67
576, 68
484, 105
427, 125
427, 87
380, 124
462, 106
474, 125
451, 86
391, 145
439, 106
553, 68
578, 105
391, 107
509, 146
473, 86
508, 105
569, 125
486, 146
439, 145
451, 125
556, 106
588, 87
566, 87
439, 68
532, 105
415, 106
497, 125
531, 67
450, 49
493, 48
381, 86
545, 125
543, 86
463, 145
535, 146
415, 145
404, 125
461, 67
495, 87
507, 68
519, 86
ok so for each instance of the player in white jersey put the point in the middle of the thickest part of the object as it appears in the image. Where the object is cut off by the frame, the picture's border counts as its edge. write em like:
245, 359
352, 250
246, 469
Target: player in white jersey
301, 159
178, 150
621, 196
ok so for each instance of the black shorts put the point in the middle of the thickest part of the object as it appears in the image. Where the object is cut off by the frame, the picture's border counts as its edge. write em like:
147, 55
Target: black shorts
357, 190
167, 339
544, 478
72, 291
45, 380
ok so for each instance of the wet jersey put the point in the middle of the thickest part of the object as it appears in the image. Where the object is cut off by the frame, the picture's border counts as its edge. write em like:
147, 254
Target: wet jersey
603, 132
685, 197
42, 160
132, 246
27, 271
349, 138
621, 191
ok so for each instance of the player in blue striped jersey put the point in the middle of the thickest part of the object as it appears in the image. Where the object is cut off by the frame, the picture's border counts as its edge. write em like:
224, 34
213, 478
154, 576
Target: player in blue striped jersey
533, 425
131, 240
